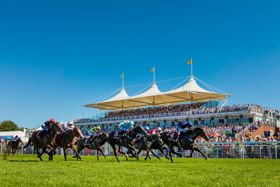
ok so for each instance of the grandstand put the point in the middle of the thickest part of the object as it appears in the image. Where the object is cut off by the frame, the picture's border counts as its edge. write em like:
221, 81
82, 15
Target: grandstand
189, 102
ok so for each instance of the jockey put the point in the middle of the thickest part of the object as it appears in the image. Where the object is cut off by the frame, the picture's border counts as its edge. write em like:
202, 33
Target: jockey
126, 125
147, 128
159, 130
46, 126
15, 138
182, 128
67, 126
95, 130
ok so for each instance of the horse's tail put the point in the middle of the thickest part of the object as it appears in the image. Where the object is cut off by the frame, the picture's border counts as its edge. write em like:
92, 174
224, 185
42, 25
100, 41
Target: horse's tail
28, 143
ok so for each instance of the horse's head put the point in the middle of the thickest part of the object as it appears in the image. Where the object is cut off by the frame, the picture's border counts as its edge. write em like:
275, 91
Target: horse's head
20, 140
77, 132
200, 132
56, 127
104, 135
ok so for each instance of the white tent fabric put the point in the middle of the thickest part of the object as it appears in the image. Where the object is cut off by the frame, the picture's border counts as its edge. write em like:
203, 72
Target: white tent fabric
191, 86
114, 102
189, 92
153, 90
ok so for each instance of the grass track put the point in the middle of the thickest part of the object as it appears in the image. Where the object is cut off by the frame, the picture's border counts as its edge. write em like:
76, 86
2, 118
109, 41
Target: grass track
25, 170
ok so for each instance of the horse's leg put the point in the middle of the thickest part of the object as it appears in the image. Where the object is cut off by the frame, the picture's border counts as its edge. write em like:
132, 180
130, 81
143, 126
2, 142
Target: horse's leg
154, 154
100, 150
39, 154
126, 156
73, 147
161, 150
196, 149
133, 150
14, 151
191, 153
64, 152
115, 152
139, 151
174, 152
97, 155
148, 155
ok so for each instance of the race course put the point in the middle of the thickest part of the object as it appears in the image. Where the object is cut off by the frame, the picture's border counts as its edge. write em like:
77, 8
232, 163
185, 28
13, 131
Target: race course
26, 170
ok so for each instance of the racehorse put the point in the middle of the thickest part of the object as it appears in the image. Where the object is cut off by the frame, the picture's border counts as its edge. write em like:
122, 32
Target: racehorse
125, 140
12, 146
94, 143
148, 143
185, 141
65, 141
41, 140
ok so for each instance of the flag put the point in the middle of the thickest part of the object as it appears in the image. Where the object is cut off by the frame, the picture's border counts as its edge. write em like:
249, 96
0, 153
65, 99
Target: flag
153, 69
190, 61
122, 75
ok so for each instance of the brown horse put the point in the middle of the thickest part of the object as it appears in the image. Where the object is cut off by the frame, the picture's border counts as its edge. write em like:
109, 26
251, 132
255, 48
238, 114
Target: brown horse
185, 141
12, 146
66, 140
41, 140
94, 143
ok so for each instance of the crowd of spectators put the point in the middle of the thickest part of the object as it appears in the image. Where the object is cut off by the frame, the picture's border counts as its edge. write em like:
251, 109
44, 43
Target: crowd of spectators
177, 110
153, 110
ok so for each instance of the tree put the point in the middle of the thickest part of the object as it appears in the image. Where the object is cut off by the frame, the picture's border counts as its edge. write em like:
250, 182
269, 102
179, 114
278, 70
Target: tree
8, 125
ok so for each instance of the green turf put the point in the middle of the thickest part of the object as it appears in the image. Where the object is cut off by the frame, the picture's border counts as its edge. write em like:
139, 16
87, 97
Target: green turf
25, 170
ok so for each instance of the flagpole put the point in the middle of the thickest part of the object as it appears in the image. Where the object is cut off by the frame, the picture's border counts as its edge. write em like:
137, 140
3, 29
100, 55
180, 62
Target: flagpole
191, 71
154, 78
122, 80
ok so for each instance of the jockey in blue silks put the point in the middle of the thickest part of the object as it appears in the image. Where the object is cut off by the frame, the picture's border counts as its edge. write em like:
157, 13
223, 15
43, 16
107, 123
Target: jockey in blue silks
182, 128
126, 125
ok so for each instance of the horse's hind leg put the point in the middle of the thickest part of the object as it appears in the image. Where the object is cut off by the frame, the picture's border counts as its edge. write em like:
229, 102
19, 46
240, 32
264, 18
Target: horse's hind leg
126, 156
133, 150
115, 152
65, 154
155, 154
196, 149
97, 154
161, 150
148, 155
39, 154
191, 154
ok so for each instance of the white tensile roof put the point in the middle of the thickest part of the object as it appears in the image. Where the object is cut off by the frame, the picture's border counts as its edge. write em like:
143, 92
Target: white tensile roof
189, 92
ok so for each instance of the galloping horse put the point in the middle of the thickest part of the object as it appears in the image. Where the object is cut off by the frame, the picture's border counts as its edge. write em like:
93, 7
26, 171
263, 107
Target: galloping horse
12, 146
65, 140
93, 143
41, 140
125, 140
148, 143
185, 141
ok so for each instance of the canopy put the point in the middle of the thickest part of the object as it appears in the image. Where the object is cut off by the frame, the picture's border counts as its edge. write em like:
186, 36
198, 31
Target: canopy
116, 102
189, 92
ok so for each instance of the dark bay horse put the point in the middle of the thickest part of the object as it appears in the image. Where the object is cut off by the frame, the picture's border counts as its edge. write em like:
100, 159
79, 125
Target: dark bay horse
149, 143
125, 140
185, 141
65, 140
12, 146
94, 143
41, 140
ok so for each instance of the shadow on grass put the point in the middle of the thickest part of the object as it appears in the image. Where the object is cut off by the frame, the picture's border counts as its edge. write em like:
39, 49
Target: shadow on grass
23, 160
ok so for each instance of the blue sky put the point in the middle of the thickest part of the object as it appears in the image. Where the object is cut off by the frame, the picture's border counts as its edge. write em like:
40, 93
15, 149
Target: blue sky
57, 55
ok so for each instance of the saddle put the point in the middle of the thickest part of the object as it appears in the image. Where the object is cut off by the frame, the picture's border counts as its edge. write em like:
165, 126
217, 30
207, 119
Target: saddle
173, 136
117, 135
